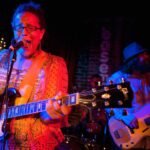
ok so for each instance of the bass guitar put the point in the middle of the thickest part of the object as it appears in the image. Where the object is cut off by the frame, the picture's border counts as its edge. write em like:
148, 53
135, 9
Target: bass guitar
125, 137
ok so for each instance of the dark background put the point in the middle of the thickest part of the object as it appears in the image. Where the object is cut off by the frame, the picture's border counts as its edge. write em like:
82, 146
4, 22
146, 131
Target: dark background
75, 26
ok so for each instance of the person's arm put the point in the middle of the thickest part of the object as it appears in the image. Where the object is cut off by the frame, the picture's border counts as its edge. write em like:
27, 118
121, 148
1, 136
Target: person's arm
54, 109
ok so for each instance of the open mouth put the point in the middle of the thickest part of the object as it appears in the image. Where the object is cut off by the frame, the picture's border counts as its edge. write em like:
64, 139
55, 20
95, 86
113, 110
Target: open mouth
26, 43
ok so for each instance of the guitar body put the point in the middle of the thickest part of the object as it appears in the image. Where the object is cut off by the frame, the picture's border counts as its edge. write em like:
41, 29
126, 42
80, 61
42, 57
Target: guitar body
124, 137
2, 129
12, 94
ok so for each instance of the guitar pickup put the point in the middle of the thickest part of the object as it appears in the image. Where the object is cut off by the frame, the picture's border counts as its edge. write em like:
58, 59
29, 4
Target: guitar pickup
117, 135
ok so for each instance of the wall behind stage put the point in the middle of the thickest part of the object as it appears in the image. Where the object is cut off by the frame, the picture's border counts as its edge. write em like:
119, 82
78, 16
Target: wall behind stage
103, 53
90, 43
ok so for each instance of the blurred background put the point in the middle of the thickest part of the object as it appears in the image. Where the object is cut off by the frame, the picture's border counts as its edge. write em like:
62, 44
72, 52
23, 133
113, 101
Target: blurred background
90, 36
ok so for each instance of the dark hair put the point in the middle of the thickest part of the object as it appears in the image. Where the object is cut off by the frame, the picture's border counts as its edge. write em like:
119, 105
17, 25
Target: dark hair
33, 8
133, 65
95, 76
130, 66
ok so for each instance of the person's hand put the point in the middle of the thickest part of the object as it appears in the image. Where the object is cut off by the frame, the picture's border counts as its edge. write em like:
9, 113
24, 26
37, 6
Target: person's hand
131, 121
56, 110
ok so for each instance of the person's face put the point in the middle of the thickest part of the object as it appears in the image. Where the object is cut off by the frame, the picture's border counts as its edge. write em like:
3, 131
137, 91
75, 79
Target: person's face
27, 29
144, 58
143, 63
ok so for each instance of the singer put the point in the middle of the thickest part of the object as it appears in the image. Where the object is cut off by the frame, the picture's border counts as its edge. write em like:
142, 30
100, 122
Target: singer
36, 75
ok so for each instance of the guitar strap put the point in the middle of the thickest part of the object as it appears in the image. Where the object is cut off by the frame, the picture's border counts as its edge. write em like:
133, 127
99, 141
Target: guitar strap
29, 80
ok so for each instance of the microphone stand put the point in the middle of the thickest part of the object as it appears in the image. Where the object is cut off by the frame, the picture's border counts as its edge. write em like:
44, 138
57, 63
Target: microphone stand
6, 97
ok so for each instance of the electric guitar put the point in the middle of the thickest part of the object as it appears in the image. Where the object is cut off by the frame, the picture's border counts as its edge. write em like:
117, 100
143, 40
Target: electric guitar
125, 137
107, 96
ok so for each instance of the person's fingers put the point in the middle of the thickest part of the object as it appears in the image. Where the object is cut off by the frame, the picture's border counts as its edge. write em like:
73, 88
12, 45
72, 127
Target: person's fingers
65, 109
49, 105
56, 105
55, 110
52, 109
58, 95
56, 115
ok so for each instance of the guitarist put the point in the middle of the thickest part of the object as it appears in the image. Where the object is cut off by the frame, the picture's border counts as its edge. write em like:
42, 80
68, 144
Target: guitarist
37, 75
136, 70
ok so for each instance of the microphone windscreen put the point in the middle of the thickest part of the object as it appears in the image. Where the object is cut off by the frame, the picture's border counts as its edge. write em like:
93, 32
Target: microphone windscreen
15, 45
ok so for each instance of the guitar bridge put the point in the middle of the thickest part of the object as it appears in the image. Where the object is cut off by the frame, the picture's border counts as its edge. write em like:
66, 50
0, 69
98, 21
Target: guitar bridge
117, 135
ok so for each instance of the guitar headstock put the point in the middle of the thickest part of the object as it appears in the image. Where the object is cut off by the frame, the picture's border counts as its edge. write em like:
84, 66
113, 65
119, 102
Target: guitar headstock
108, 96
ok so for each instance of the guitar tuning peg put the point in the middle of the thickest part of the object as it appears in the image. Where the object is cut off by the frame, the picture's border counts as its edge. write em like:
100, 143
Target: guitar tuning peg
110, 82
123, 80
106, 103
99, 83
94, 104
94, 90
106, 88
120, 102
119, 87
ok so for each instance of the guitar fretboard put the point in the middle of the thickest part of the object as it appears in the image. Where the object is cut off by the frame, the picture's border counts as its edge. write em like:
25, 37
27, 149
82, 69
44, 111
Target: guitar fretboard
109, 96
36, 107
27, 109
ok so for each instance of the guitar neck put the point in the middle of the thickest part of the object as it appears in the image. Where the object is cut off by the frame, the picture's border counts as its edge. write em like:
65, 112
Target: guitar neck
116, 95
37, 107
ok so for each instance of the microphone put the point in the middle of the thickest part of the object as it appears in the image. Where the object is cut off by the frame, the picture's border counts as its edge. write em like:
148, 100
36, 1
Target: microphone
15, 45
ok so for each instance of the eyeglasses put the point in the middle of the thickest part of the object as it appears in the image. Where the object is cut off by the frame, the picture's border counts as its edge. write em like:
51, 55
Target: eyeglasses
29, 28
